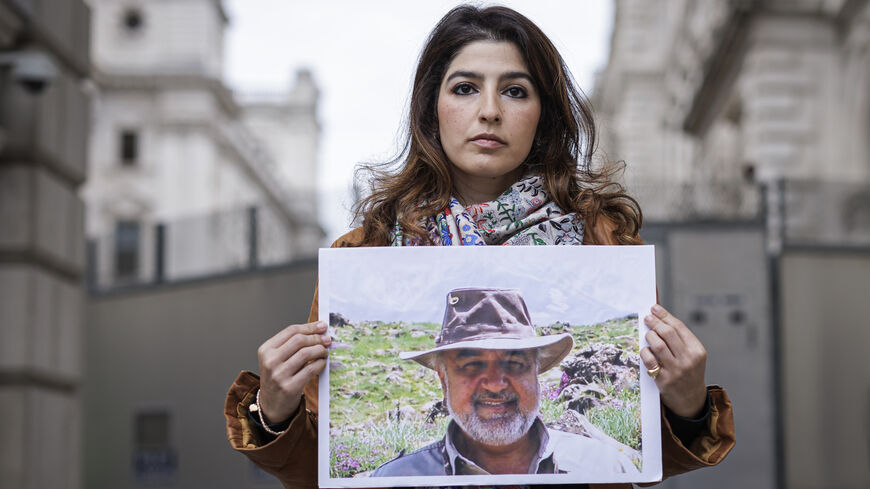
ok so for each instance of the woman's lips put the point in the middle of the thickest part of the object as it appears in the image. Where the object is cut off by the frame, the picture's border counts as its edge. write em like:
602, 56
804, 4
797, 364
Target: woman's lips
488, 141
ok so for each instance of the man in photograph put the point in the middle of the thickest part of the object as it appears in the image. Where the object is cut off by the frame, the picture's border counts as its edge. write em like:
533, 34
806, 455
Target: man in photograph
488, 358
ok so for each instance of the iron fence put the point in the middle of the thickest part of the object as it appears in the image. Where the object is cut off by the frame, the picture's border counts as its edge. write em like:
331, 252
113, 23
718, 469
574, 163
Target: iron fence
136, 253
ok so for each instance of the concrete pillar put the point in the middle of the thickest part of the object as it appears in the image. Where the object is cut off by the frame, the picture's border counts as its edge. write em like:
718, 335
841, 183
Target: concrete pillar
43, 137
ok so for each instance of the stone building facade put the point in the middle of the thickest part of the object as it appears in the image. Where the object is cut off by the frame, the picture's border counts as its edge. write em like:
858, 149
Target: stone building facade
172, 145
706, 101
44, 114
704, 98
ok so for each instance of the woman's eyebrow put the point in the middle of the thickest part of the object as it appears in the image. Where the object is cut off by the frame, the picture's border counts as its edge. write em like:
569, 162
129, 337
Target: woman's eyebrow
477, 76
465, 74
515, 74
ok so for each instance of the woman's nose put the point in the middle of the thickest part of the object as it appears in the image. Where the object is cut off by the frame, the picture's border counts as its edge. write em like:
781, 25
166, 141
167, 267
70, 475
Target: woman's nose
490, 107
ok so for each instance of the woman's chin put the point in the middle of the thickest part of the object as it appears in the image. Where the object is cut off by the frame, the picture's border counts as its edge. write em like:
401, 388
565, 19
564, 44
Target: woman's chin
489, 169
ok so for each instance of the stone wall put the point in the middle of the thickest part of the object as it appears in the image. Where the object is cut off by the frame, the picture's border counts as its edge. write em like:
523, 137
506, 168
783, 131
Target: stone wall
736, 92
43, 137
174, 350
826, 375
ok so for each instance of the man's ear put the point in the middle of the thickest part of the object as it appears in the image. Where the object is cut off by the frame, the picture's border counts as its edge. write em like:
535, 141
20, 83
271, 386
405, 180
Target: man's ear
440, 371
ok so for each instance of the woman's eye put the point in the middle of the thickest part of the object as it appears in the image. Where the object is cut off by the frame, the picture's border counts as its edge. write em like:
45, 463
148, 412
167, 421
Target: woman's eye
516, 92
463, 89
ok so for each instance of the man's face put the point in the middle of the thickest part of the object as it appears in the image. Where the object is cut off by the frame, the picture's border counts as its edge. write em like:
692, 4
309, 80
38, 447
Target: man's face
493, 395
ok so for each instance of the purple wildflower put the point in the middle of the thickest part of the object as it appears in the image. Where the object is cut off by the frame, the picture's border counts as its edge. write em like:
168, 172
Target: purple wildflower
564, 382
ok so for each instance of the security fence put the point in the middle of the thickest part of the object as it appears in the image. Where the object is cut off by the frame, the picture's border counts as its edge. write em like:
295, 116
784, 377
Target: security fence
793, 212
729, 200
825, 213
139, 252
797, 212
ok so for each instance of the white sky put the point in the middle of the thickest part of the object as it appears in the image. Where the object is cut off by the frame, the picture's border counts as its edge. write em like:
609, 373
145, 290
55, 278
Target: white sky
363, 55
578, 284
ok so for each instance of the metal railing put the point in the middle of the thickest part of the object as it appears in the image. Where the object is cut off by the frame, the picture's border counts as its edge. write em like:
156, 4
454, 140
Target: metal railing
198, 246
825, 213
731, 200
797, 212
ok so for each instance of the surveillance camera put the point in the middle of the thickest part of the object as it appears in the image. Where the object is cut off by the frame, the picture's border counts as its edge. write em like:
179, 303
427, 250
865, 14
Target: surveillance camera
34, 70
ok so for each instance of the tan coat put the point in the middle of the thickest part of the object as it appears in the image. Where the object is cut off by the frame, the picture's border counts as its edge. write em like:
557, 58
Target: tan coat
292, 457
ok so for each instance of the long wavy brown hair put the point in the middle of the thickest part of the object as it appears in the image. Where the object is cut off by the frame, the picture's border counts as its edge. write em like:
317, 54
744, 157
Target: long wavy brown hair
418, 183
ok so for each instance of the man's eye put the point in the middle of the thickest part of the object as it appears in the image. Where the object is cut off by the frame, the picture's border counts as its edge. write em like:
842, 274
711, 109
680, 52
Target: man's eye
516, 92
515, 367
463, 89
472, 366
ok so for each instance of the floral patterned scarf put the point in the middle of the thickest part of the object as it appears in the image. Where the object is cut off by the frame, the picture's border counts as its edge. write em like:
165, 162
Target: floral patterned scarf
522, 215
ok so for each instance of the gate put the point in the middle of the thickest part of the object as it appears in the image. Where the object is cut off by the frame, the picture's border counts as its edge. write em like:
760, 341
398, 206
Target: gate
716, 277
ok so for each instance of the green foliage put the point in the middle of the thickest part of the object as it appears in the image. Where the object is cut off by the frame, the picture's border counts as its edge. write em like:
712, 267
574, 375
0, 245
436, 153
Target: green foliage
357, 450
551, 409
371, 378
623, 424
621, 332
619, 416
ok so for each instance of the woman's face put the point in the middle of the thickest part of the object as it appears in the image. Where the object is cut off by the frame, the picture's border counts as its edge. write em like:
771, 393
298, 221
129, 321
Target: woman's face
488, 111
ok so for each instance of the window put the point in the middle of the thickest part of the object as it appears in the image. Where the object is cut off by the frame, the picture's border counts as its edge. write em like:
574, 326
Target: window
132, 20
126, 249
154, 460
152, 429
129, 147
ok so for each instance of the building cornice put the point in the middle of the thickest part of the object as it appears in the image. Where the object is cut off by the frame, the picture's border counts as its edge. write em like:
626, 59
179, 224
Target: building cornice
720, 69
168, 81
253, 163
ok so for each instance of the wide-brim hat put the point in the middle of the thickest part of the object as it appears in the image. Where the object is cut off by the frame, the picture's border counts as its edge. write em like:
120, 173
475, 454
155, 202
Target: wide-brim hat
492, 319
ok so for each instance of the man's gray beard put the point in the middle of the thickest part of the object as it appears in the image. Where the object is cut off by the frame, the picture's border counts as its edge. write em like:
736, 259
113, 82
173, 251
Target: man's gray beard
499, 430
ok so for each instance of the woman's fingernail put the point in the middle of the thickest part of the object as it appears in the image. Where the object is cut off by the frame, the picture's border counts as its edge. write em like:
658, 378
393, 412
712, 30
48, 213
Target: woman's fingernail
648, 320
326, 339
658, 309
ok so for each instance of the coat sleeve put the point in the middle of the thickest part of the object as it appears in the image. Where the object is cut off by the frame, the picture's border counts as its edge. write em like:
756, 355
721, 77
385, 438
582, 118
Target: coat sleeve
709, 448
292, 456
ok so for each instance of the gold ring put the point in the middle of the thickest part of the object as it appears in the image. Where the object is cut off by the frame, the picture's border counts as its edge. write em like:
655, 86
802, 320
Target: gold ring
654, 372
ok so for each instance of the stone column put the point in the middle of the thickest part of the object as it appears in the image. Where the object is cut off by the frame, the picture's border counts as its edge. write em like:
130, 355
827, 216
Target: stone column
44, 123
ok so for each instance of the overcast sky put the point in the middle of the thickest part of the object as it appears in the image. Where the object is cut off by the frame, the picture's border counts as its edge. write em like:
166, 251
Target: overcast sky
581, 285
362, 55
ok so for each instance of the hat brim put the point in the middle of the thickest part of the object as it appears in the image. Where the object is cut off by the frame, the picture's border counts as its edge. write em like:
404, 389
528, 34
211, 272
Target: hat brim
551, 349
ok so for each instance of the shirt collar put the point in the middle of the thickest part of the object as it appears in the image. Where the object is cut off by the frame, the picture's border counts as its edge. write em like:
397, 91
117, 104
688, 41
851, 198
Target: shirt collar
457, 464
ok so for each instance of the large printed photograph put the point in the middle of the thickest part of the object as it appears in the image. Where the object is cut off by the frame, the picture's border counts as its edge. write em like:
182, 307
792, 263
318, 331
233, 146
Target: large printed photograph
486, 365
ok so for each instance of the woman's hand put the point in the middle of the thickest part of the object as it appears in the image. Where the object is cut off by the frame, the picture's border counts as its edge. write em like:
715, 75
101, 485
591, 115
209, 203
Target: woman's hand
682, 359
288, 361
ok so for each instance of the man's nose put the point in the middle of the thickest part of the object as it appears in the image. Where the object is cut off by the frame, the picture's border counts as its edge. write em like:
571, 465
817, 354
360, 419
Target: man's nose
494, 378
490, 107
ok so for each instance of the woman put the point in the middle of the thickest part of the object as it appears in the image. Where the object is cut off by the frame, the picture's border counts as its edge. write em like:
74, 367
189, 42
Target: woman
496, 131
